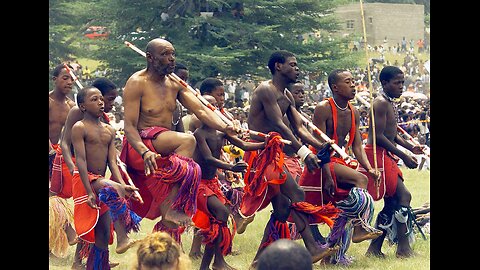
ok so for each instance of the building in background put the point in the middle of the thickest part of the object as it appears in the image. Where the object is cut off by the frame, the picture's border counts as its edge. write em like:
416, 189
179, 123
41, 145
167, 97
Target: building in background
383, 20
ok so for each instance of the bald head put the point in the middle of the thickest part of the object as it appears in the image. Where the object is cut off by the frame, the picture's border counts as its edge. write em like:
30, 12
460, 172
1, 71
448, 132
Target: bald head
157, 43
160, 55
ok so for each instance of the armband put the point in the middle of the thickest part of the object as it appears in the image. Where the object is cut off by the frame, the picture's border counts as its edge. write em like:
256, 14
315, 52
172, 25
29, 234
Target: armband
303, 152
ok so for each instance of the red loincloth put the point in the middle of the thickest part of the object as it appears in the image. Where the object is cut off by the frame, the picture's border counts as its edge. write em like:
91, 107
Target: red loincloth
85, 218
293, 166
310, 183
155, 188
61, 180
387, 165
263, 184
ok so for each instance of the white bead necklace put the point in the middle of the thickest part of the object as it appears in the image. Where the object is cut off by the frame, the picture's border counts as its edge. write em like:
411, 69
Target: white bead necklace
340, 108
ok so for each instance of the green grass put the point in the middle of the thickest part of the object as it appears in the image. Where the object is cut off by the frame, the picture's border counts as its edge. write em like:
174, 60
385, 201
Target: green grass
418, 183
92, 64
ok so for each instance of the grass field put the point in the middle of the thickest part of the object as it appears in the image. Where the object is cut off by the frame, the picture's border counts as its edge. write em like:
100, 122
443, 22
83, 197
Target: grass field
418, 182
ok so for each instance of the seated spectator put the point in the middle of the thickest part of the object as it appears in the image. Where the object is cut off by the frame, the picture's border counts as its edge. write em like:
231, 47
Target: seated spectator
285, 254
160, 251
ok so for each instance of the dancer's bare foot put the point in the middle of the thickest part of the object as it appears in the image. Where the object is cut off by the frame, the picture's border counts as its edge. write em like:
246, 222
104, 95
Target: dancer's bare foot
124, 246
321, 253
195, 255
360, 234
243, 222
222, 266
375, 253
404, 253
78, 266
113, 264
177, 217
196, 248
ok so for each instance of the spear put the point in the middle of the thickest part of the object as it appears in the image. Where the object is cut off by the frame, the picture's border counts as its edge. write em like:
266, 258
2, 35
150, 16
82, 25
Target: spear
205, 102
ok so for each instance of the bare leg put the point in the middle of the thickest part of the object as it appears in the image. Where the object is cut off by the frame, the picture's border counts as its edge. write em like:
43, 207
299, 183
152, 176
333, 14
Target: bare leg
291, 190
123, 241
172, 216
207, 257
404, 250
196, 249
77, 260
182, 144
71, 234
383, 217
219, 262
317, 235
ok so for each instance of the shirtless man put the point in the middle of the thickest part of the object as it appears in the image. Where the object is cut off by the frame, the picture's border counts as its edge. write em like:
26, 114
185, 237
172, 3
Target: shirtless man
270, 102
391, 188
149, 98
58, 105
339, 120
214, 208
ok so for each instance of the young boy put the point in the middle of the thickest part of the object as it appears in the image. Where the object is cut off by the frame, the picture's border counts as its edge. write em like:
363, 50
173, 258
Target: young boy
213, 214
93, 142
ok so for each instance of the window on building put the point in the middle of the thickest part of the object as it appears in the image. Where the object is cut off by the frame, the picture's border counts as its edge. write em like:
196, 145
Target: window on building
350, 24
370, 20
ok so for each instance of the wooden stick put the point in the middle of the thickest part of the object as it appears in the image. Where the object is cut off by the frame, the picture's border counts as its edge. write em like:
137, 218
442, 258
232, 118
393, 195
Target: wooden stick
377, 183
409, 137
324, 136
205, 102
75, 79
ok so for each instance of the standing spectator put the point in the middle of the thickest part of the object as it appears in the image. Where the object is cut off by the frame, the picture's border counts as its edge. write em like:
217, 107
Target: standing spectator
87, 74
404, 45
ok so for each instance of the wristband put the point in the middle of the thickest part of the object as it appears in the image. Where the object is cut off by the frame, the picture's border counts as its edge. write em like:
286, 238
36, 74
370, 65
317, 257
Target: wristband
324, 155
303, 152
143, 154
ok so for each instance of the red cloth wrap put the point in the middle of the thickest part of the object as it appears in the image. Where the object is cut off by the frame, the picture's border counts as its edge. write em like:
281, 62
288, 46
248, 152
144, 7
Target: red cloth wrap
156, 187
206, 222
174, 233
85, 218
211, 233
293, 165
207, 188
310, 183
61, 180
262, 185
276, 230
387, 165
317, 214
